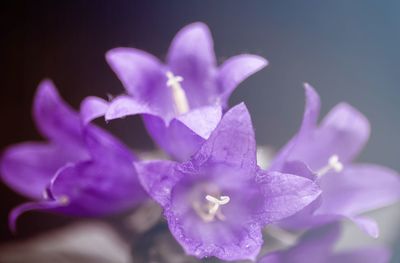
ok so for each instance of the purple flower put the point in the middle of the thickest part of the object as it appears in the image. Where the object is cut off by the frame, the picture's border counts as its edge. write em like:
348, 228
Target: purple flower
217, 202
181, 100
79, 171
348, 189
316, 246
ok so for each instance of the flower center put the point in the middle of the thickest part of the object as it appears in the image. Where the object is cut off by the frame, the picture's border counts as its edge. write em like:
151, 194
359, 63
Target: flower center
333, 164
178, 94
211, 210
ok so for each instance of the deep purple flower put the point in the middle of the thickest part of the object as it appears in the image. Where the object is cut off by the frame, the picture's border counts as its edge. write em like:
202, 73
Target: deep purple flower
217, 202
348, 189
181, 100
79, 171
316, 246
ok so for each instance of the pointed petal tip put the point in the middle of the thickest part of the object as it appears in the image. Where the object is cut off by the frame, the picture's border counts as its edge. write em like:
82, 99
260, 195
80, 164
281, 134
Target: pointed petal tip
46, 87
92, 108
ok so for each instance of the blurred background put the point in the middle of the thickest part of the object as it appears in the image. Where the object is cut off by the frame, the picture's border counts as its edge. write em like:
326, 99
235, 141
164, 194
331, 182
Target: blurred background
348, 50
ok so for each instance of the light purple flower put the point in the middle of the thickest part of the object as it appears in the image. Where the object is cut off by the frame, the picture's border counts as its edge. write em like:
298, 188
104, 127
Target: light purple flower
348, 189
316, 246
78, 171
181, 100
217, 202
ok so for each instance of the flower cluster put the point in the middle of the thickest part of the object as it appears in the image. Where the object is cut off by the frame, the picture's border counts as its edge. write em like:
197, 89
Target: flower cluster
216, 199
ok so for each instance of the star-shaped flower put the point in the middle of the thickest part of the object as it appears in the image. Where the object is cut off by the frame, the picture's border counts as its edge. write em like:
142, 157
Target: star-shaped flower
316, 246
217, 202
348, 189
79, 171
182, 99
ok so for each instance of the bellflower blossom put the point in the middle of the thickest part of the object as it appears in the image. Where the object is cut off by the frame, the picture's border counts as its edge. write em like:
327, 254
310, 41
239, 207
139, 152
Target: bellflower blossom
316, 246
79, 171
217, 202
348, 189
182, 99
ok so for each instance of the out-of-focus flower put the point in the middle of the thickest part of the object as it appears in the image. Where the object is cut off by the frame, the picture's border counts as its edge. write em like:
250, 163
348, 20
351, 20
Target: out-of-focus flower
217, 202
316, 246
181, 100
81, 171
348, 189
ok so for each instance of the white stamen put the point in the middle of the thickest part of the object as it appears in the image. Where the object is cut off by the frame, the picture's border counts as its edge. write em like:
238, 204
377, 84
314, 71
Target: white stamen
212, 209
333, 164
178, 94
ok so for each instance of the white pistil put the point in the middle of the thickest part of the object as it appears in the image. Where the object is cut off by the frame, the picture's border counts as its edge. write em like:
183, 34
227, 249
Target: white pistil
212, 209
178, 94
333, 164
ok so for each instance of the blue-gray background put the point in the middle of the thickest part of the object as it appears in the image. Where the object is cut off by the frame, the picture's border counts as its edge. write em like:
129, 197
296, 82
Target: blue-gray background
348, 50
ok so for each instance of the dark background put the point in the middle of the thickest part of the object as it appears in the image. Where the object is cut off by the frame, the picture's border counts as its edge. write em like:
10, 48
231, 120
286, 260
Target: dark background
348, 50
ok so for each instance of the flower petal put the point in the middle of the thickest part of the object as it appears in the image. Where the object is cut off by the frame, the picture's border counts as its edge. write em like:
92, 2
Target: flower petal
310, 118
235, 70
376, 254
158, 178
232, 142
202, 120
368, 225
358, 189
54, 118
28, 167
314, 246
191, 56
343, 132
123, 106
143, 76
19, 210
94, 188
177, 139
285, 194
92, 108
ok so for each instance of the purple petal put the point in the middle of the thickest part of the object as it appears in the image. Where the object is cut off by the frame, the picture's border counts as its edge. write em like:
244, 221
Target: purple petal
177, 139
158, 178
54, 118
191, 56
92, 108
202, 120
358, 189
31, 206
232, 142
123, 106
94, 188
237, 69
343, 132
368, 225
143, 76
362, 255
285, 194
28, 167
315, 246
308, 124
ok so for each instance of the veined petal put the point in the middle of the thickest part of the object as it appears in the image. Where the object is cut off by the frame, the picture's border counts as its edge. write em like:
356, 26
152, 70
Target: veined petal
123, 106
92, 108
236, 69
28, 167
94, 188
158, 178
177, 139
310, 118
31, 206
191, 56
202, 120
359, 188
232, 142
376, 254
285, 194
343, 132
143, 76
315, 246
54, 118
